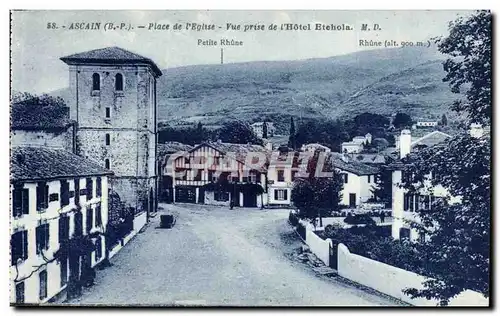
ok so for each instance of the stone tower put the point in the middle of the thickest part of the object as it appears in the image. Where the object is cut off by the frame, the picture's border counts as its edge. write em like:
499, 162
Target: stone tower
113, 101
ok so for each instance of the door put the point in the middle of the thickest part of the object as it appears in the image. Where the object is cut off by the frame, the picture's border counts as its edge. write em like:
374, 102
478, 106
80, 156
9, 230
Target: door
250, 200
185, 195
352, 199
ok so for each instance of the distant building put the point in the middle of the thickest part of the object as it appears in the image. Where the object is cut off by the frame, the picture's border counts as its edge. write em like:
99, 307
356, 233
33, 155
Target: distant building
113, 101
368, 158
314, 147
357, 144
258, 129
426, 123
55, 195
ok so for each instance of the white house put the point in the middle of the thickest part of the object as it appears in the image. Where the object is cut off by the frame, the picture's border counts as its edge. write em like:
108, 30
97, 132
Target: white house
357, 144
313, 147
258, 128
405, 205
359, 179
426, 123
55, 195
281, 173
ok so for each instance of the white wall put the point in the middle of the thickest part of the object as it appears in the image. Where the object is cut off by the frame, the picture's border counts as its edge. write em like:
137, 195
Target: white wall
140, 221
318, 246
391, 280
51, 216
61, 140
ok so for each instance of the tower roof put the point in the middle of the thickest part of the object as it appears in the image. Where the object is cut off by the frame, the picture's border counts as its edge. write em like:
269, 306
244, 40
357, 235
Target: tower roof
110, 55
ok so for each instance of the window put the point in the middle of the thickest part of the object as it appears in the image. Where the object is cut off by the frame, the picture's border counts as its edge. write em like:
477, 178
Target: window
186, 160
96, 82
98, 186
346, 177
280, 195
119, 82
20, 292
78, 223
43, 284
42, 196
369, 178
42, 238
404, 233
64, 193
421, 238
244, 179
108, 139
253, 177
77, 191
88, 188
106, 163
98, 248
90, 219
216, 161
20, 201
211, 176
98, 216
53, 197
108, 112
63, 228
281, 175
294, 174
19, 246
64, 271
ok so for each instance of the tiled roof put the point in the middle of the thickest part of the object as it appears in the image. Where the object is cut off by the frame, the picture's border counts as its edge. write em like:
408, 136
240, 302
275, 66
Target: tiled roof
110, 55
240, 150
351, 166
32, 117
368, 158
38, 163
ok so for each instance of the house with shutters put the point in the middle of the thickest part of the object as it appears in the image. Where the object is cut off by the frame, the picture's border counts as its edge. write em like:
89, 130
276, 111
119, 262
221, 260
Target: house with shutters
54, 196
220, 173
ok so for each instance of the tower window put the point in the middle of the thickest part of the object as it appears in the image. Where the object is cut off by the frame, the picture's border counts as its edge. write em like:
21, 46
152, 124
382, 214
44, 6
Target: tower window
106, 163
108, 140
96, 82
108, 112
119, 82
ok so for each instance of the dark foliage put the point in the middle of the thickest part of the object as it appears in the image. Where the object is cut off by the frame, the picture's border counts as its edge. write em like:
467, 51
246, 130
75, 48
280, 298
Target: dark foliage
402, 120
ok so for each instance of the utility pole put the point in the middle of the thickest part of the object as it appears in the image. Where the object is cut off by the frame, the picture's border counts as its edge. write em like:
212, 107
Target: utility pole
222, 56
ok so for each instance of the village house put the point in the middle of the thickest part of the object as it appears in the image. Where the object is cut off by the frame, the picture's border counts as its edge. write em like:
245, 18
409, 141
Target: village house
219, 173
426, 123
55, 195
405, 205
313, 147
359, 179
357, 144
113, 102
258, 129
166, 155
282, 171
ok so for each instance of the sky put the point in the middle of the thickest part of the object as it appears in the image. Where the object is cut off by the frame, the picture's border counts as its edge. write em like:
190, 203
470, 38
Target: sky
36, 48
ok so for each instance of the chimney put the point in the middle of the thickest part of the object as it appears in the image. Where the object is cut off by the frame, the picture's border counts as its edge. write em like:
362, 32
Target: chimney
476, 130
404, 143
269, 146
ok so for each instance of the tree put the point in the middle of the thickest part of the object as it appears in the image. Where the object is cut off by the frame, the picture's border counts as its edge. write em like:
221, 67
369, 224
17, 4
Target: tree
314, 195
264, 130
444, 120
292, 143
383, 189
237, 132
402, 120
458, 247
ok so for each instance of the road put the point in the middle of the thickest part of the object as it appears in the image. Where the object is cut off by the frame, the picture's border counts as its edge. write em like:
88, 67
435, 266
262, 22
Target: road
219, 257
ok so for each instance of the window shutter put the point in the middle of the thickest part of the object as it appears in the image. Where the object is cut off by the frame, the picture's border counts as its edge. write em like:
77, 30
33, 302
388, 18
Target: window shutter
285, 194
46, 196
275, 194
26, 201
15, 244
25, 244
38, 239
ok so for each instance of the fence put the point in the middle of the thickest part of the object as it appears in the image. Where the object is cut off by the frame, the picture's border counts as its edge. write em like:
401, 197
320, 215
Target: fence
392, 280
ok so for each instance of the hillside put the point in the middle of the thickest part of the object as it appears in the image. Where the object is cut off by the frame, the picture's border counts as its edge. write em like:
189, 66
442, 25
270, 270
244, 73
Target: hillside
380, 81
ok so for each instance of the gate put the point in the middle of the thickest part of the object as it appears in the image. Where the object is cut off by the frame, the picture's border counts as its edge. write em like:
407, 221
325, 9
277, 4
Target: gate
333, 257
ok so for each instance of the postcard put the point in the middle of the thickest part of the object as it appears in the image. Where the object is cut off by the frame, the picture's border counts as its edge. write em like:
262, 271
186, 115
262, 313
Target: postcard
250, 158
